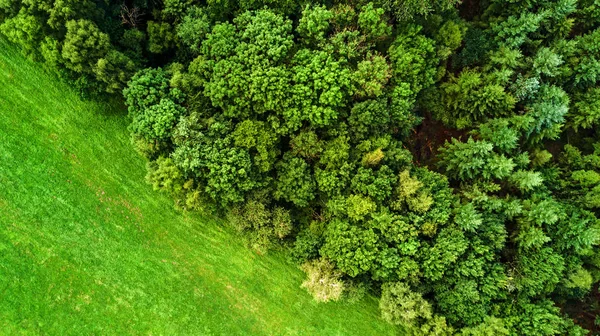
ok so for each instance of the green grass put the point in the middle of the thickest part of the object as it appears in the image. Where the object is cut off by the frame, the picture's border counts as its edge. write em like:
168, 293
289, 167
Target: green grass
86, 247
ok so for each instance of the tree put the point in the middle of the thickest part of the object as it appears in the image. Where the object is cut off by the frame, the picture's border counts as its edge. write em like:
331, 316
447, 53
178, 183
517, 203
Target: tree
585, 64
84, 45
513, 31
500, 133
193, 28
320, 87
470, 98
547, 62
490, 327
255, 135
323, 281
467, 218
24, 29
448, 246
371, 77
588, 15
547, 113
529, 318
351, 248
306, 144
314, 24
161, 37
376, 184
333, 172
164, 175
586, 109
368, 117
157, 121
449, 37
280, 6
472, 159
410, 191
229, 173
262, 224
579, 282
60, 12
244, 73
413, 59
400, 305
146, 88
372, 23
526, 180
294, 181
175, 8
538, 272
359, 206
405, 10
114, 70
153, 106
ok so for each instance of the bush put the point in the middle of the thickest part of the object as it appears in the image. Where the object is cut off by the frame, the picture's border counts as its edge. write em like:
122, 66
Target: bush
323, 281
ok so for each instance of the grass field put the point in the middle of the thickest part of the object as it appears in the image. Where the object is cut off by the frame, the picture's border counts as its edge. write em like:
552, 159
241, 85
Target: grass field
87, 248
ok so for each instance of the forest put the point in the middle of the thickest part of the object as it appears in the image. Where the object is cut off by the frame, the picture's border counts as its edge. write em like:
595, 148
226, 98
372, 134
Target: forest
441, 155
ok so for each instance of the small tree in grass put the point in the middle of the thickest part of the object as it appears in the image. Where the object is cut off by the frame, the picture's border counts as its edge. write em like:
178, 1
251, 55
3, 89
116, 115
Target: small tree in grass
323, 281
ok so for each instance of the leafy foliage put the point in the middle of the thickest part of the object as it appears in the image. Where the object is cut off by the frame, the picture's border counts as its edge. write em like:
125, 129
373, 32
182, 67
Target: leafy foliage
324, 281
400, 305
302, 123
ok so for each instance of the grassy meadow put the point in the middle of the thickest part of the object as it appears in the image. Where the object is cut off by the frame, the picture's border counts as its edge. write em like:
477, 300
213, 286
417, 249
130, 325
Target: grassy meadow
87, 248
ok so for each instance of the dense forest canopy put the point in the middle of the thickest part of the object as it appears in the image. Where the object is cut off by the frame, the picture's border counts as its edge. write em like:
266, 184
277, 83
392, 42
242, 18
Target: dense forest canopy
442, 155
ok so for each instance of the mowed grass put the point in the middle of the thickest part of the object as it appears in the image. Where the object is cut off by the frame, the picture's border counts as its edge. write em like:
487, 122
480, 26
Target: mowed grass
87, 248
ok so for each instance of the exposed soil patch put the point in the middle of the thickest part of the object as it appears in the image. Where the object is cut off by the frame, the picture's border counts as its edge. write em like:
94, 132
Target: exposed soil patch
584, 312
469, 9
427, 139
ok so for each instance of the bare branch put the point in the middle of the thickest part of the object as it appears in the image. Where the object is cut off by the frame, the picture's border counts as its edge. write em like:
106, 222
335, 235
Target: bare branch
130, 16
